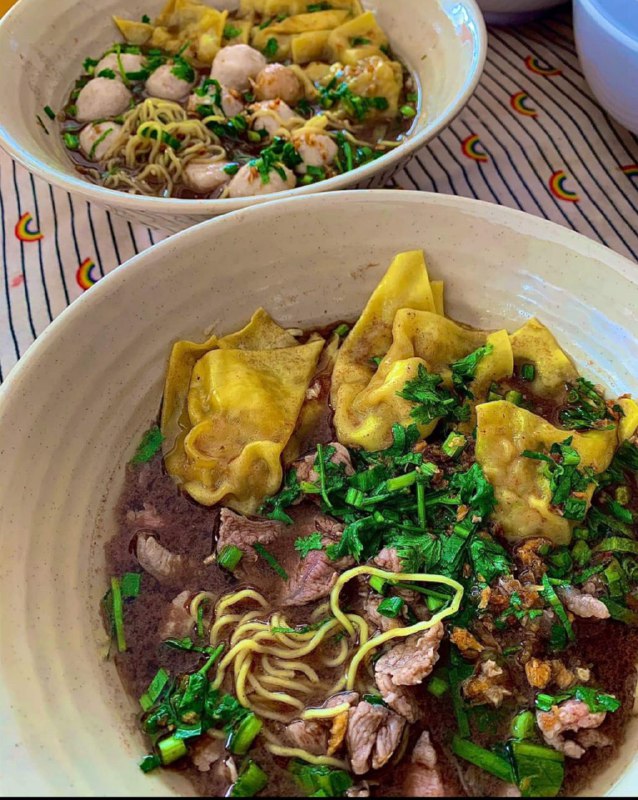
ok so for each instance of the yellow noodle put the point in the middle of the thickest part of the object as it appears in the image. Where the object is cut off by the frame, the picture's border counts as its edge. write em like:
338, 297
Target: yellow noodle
286, 683
274, 697
395, 633
307, 670
294, 752
338, 660
196, 602
325, 713
239, 597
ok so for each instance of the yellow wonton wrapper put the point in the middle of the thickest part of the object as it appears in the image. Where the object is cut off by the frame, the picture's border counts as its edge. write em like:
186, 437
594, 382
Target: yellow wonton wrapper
522, 492
270, 8
366, 27
534, 343
180, 22
373, 76
230, 408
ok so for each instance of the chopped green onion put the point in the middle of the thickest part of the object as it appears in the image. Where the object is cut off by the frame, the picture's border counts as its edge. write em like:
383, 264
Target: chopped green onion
270, 560
523, 725
71, 141
528, 372
342, 330
514, 397
454, 445
241, 739
539, 770
146, 19
622, 495
485, 759
118, 614
412, 97
149, 763
251, 779
581, 553
620, 612
557, 606
130, 584
230, 557
437, 686
230, 32
408, 112
391, 607
621, 513
355, 498
401, 482
155, 689
420, 497
231, 168
582, 533
49, 112
150, 444
617, 544
171, 749
271, 48
379, 585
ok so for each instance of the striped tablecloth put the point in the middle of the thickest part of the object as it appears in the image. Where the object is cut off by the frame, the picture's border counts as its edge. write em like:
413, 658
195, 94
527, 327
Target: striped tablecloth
532, 138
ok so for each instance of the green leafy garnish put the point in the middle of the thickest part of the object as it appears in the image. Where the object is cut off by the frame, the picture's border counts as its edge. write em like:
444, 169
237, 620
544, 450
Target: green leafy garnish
270, 560
271, 48
464, 370
539, 770
305, 545
230, 32
314, 778
273, 507
432, 400
586, 408
182, 70
485, 759
149, 446
594, 699
250, 781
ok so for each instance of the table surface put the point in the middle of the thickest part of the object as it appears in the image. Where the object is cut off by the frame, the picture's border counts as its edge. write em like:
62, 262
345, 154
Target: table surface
532, 137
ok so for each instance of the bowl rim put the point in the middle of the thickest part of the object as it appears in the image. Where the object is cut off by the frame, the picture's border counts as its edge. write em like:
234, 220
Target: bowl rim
123, 201
605, 23
111, 282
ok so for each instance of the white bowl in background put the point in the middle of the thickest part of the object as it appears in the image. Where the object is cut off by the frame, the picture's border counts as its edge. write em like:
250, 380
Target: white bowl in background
515, 12
43, 45
606, 33
74, 407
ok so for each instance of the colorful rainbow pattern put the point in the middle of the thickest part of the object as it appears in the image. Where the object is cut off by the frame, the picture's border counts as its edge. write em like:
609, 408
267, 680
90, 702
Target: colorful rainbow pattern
23, 231
557, 187
630, 169
471, 148
536, 66
84, 275
518, 101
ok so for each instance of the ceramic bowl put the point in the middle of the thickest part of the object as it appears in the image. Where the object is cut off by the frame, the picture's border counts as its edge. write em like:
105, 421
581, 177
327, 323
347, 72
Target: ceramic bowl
43, 45
74, 407
515, 12
606, 33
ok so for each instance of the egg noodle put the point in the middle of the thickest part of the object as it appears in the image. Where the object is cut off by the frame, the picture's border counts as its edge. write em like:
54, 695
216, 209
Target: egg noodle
266, 655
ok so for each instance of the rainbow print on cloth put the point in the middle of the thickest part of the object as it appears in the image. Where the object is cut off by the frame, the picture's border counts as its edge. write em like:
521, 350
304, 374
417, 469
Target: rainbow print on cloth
24, 230
630, 169
539, 67
471, 147
85, 276
558, 188
518, 102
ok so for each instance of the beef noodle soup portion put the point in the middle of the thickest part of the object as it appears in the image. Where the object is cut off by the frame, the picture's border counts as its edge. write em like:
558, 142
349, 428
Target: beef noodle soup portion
392, 559
208, 103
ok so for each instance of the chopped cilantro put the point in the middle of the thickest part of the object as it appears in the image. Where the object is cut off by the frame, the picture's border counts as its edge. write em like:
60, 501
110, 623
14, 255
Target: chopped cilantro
182, 70
432, 400
230, 32
305, 545
464, 370
271, 48
586, 408
149, 446
274, 506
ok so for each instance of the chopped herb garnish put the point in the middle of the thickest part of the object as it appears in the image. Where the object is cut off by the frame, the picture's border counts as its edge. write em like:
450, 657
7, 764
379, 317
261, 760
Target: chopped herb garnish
232, 168
274, 507
271, 48
107, 73
305, 545
146, 19
391, 607
319, 780
558, 608
594, 699
250, 781
231, 32
230, 557
270, 560
71, 141
485, 759
432, 400
149, 446
182, 70
586, 408
528, 372
407, 112
49, 112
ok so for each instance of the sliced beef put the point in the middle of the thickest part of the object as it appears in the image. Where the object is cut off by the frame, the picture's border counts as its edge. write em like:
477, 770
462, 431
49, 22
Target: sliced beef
422, 778
401, 699
315, 736
413, 660
570, 716
359, 790
389, 560
158, 561
178, 622
309, 578
374, 733
306, 466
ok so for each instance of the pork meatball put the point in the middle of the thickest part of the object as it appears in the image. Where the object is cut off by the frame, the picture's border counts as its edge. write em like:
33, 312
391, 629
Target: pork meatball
102, 98
204, 176
248, 182
130, 63
235, 66
163, 83
278, 114
97, 139
278, 82
316, 149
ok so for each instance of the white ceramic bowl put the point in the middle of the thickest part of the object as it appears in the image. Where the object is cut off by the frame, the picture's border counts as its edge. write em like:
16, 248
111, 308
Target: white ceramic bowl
606, 33
74, 407
43, 45
515, 12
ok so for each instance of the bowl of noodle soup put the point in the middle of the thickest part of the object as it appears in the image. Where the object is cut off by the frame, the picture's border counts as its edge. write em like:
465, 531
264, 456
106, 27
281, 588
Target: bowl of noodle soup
442, 45
105, 361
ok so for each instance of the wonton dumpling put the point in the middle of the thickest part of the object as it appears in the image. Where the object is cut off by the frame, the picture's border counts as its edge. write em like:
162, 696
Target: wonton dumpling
374, 76
535, 344
522, 491
270, 8
304, 23
261, 333
628, 424
243, 406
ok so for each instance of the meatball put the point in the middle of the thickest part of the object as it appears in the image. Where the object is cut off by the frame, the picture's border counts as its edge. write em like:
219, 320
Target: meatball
102, 98
278, 114
235, 66
97, 139
130, 63
248, 182
278, 82
205, 176
316, 149
163, 83
231, 105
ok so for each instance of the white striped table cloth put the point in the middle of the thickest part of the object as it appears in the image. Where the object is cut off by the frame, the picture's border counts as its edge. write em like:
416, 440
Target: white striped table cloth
532, 137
